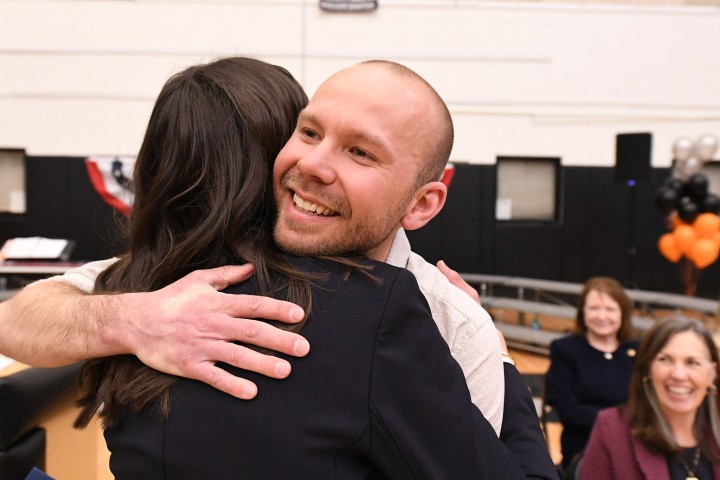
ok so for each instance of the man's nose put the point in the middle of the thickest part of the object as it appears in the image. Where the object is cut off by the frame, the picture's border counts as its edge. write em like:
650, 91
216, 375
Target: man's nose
317, 163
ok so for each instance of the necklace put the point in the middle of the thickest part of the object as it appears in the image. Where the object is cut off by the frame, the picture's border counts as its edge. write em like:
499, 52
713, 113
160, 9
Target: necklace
691, 471
603, 345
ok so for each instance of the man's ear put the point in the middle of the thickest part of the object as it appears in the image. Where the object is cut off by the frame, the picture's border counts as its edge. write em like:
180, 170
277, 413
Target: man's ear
428, 201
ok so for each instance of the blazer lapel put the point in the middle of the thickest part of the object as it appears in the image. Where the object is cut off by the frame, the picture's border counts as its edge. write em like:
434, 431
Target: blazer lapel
653, 465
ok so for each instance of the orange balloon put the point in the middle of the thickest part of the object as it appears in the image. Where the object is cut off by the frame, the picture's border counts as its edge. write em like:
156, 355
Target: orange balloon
704, 252
668, 248
706, 225
685, 237
675, 220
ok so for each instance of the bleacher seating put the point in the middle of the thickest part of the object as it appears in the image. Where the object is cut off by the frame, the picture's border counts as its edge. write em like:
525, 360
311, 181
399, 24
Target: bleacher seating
531, 298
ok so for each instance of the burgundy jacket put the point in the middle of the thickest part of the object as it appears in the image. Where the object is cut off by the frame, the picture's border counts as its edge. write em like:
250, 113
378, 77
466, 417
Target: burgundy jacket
613, 454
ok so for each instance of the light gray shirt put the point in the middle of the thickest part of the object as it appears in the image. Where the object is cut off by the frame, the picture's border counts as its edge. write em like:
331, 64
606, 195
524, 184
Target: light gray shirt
466, 327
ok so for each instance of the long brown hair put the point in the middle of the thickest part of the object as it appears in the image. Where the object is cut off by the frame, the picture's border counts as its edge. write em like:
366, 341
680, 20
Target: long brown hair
203, 198
613, 289
646, 419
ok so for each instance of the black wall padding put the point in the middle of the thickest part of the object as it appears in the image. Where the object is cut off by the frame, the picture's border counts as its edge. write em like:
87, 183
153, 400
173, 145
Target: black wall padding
599, 224
457, 235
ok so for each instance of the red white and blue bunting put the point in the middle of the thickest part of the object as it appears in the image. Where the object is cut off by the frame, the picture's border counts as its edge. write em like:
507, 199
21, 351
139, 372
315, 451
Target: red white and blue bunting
110, 176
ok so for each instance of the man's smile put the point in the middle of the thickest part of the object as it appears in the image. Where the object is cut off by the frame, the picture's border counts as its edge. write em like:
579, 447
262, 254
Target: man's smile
314, 208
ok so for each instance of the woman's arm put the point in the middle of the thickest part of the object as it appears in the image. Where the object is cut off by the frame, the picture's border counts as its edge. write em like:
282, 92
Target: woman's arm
596, 462
561, 383
521, 430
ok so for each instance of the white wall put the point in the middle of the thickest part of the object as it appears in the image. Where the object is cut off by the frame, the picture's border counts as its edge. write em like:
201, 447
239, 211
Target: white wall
538, 79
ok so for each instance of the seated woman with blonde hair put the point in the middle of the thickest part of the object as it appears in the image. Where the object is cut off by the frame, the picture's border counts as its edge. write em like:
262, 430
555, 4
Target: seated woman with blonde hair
669, 428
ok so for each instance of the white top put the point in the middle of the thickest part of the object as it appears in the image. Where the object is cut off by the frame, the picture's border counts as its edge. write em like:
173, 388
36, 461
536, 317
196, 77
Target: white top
466, 327
83, 277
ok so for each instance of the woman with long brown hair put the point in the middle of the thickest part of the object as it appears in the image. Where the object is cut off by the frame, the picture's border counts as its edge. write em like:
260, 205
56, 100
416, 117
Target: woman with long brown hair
670, 428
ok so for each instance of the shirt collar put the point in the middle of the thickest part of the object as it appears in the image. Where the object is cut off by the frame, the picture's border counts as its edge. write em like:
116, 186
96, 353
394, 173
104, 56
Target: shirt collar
399, 253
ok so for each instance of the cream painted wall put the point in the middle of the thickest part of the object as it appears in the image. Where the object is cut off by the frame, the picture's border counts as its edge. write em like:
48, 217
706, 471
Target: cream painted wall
525, 78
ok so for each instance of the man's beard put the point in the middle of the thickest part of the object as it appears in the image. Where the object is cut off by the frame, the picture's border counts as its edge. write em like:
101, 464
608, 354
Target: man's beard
360, 234
354, 240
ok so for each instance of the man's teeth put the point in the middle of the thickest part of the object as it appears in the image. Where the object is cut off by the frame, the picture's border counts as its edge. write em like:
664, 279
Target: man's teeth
312, 207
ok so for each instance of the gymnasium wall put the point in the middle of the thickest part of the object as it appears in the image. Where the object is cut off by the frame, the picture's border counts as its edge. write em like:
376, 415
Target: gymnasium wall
537, 79
521, 78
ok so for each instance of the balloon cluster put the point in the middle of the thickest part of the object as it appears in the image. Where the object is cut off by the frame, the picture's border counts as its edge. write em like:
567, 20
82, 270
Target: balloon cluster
689, 198
699, 241
693, 211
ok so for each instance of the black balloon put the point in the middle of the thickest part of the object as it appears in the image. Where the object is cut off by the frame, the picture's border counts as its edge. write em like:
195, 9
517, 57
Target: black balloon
665, 199
676, 184
710, 204
687, 209
697, 186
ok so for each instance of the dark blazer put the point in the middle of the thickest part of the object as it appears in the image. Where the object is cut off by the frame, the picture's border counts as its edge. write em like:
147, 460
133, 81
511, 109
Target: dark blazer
580, 382
521, 430
378, 396
613, 454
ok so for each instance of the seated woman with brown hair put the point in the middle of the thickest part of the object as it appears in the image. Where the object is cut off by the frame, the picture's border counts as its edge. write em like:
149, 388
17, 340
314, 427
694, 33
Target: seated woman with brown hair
670, 428
590, 370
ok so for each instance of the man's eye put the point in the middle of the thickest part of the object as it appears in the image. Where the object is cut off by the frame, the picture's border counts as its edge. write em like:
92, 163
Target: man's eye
359, 152
309, 133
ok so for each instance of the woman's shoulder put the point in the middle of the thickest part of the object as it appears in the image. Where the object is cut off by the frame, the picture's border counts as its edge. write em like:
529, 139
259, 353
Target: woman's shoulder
362, 280
359, 270
631, 344
614, 421
613, 415
570, 342
630, 347
366, 278
612, 427
338, 263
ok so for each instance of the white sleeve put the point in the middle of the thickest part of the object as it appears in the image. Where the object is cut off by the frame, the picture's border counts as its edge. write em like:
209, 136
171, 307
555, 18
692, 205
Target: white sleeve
470, 333
82, 277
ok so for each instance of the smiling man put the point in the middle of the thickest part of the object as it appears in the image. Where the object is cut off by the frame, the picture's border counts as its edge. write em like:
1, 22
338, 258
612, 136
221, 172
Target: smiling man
361, 166
363, 162
365, 159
